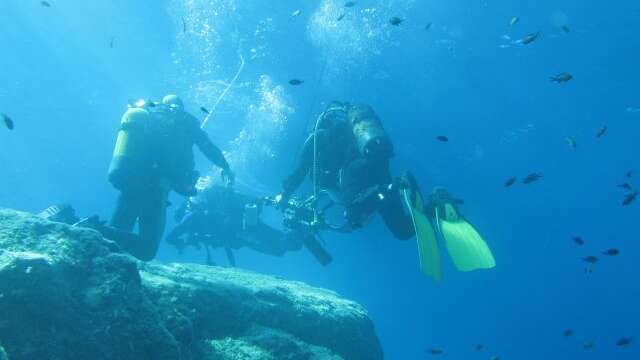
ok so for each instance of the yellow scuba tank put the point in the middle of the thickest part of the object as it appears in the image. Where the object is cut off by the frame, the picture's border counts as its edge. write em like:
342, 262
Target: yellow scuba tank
127, 164
371, 138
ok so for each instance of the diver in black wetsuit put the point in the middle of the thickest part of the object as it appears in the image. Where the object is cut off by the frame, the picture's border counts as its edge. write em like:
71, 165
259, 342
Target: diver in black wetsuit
347, 155
221, 217
153, 156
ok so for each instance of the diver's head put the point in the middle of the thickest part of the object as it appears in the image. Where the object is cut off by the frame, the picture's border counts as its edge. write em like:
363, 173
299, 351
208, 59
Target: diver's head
173, 102
334, 115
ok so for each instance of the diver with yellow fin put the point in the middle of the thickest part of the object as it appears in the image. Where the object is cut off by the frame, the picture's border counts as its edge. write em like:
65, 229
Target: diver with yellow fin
347, 157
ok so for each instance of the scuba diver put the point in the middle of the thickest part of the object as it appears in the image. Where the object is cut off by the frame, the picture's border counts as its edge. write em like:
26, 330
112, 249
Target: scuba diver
347, 157
220, 217
154, 155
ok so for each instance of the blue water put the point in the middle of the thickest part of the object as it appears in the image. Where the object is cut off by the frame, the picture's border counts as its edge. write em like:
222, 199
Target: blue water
66, 88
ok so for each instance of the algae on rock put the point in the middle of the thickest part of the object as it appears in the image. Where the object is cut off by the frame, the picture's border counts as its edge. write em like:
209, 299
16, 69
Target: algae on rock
69, 294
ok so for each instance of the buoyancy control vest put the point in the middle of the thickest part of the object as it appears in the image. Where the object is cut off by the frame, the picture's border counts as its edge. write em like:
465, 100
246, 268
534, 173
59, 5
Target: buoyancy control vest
150, 145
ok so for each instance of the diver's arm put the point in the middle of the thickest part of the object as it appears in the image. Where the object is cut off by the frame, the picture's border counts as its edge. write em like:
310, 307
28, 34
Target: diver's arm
305, 163
210, 151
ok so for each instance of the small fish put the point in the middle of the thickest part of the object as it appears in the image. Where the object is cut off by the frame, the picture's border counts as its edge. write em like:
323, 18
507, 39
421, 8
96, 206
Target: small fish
428, 26
601, 132
530, 38
341, 17
296, 13
572, 142
629, 174
479, 347
184, 26
588, 345
396, 21
566, 29
295, 82
625, 186
205, 110
349, 4
578, 240
514, 20
588, 270
111, 43
45, 4
590, 259
531, 178
510, 181
7, 121
629, 198
442, 138
561, 78
435, 351
567, 333
625, 341
494, 358
611, 252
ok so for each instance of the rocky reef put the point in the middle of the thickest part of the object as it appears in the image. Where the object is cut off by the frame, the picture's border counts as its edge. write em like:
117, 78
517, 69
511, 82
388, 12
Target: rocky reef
67, 293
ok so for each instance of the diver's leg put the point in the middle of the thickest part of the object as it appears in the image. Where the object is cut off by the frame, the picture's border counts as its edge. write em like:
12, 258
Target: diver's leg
152, 223
395, 216
127, 211
270, 241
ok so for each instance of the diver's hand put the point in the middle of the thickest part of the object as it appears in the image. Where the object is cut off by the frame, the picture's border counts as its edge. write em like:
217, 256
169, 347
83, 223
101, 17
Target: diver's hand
281, 201
228, 177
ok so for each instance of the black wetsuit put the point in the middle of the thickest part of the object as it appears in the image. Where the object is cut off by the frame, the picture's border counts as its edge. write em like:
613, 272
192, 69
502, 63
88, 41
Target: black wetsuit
170, 166
360, 182
215, 219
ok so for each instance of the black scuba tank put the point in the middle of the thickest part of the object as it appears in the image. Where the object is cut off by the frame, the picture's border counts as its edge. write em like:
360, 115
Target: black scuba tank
369, 134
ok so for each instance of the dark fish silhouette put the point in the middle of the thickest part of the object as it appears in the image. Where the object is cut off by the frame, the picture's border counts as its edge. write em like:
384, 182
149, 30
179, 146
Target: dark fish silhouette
566, 29
530, 38
578, 240
7, 121
295, 82
601, 132
204, 110
629, 198
428, 26
629, 174
494, 358
531, 178
435, 351
568, 332
514, 20
510, 181
572, 142
588, 344
479, 347
561, 78
590, 259
396, 21
45, 4
611, 252
442, 138
184, 25
349, 4
625, 341
626, 186
111, 42
341, 17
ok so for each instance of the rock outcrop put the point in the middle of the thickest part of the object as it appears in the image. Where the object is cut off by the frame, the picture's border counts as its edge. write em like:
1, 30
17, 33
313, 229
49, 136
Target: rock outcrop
67, 293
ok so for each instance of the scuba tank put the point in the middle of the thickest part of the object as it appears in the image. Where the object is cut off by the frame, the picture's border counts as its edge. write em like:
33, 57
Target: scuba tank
370, 137
127, 163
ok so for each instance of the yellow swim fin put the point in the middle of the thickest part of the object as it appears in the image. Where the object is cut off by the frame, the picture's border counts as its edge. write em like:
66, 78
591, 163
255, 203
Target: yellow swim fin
428, 248
466, 247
